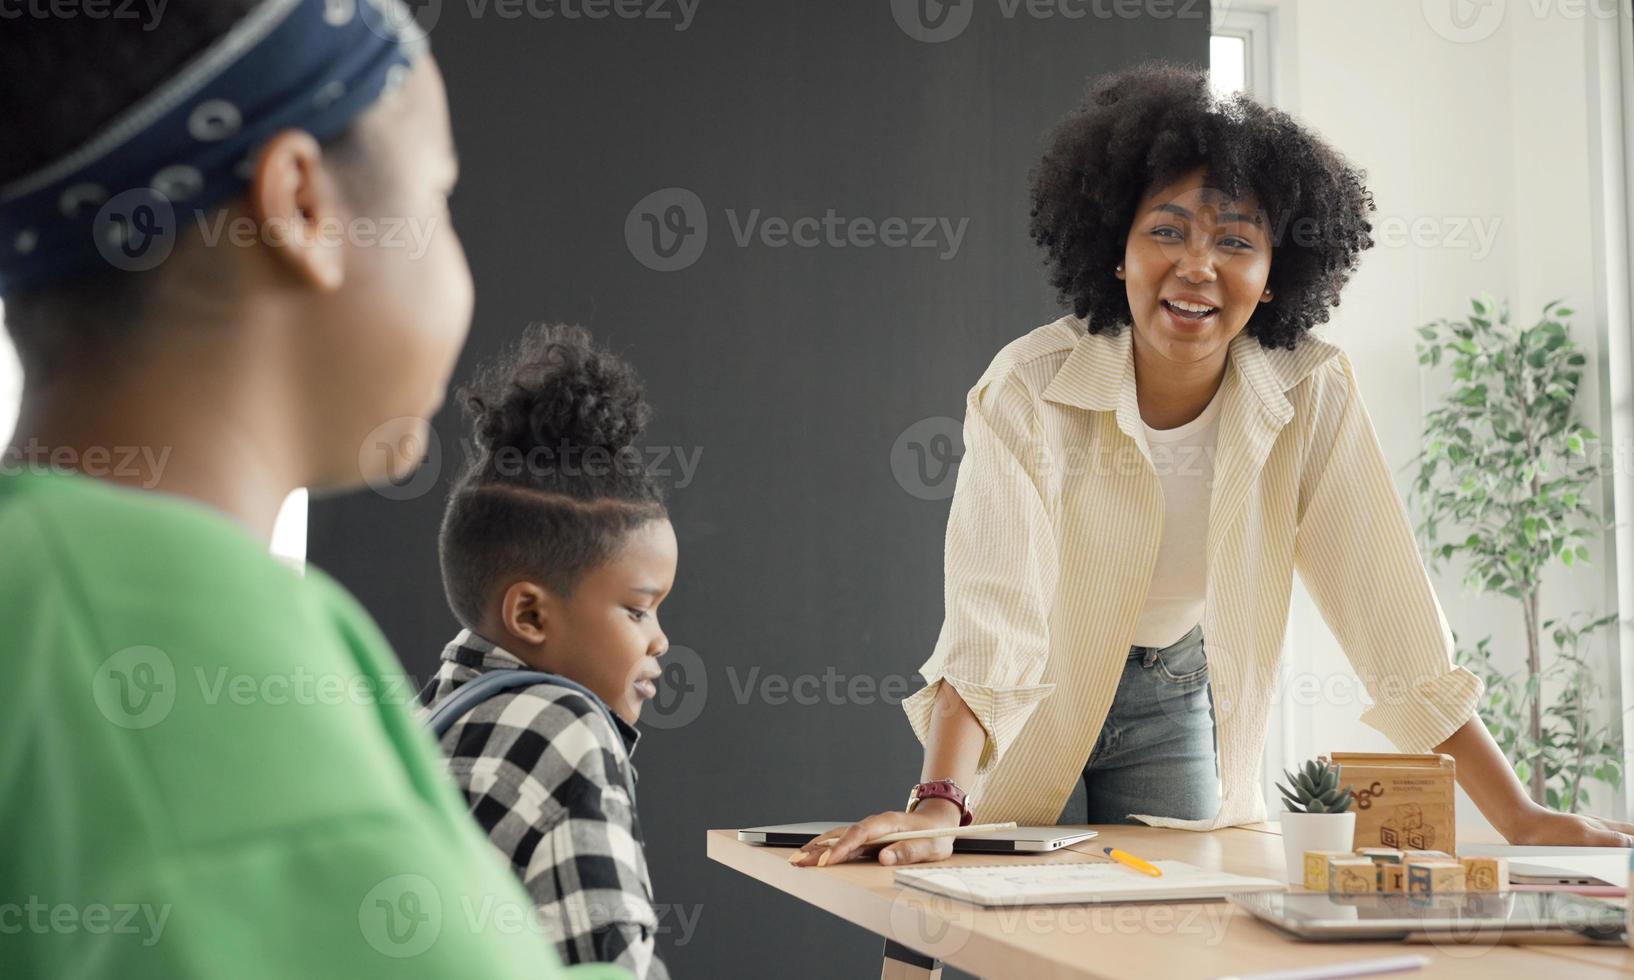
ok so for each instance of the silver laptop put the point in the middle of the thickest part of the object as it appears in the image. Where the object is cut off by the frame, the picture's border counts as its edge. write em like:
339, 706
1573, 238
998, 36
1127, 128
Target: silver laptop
1022, 840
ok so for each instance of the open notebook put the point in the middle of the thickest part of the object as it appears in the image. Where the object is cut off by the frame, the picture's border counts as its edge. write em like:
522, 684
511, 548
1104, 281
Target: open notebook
1079, 883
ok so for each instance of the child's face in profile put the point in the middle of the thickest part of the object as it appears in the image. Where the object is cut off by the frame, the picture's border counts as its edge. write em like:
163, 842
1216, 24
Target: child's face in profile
605, 635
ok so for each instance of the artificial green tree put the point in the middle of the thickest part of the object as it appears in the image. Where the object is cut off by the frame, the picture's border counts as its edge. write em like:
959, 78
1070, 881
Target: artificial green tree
1502, 484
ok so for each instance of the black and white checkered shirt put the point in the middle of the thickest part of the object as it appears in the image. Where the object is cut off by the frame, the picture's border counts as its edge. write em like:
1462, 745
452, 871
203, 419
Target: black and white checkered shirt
544, 775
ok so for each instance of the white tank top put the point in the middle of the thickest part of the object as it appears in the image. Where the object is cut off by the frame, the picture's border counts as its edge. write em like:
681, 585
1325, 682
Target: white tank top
1184, 460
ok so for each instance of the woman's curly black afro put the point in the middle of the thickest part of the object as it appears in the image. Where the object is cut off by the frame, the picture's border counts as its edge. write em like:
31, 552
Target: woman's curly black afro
1142, 128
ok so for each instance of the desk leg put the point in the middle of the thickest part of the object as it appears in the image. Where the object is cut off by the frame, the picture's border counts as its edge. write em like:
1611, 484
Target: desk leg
902, 963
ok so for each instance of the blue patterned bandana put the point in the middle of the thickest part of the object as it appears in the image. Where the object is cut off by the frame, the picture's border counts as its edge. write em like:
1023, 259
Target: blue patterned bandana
192, 144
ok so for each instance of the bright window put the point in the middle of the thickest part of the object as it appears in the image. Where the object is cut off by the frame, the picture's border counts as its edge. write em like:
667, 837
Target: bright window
289, 533
1227, 63
1239, 51
11, 384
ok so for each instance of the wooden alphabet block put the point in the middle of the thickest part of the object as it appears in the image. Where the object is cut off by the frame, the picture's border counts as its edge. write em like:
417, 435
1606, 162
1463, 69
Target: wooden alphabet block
1354, 876
1427, 878
1391, 878
1316, 868
1384, 859
1485, 874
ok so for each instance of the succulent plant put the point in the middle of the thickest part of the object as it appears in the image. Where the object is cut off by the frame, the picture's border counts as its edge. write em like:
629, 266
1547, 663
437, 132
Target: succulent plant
1315, 789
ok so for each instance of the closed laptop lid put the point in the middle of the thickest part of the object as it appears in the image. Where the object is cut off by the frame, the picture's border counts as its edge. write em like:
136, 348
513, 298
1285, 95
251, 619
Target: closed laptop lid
1019, 839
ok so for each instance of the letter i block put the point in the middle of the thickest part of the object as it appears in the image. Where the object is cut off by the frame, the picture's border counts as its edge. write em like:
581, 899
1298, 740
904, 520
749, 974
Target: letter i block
1426, 879
1387, 862
1316, 868
1485, 874
1392, 878
1353, 876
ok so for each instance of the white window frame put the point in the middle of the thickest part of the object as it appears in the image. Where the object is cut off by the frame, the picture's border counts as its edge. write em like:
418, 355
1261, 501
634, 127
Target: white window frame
1257, 28
1611, 82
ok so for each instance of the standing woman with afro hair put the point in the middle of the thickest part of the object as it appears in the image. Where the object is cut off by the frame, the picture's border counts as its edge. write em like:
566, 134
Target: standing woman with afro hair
1143, 477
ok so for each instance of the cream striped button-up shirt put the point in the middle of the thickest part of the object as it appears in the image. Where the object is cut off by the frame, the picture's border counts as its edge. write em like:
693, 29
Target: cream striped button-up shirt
1054, 532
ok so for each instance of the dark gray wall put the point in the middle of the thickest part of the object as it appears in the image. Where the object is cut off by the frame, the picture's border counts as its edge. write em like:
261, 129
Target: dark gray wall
795, 371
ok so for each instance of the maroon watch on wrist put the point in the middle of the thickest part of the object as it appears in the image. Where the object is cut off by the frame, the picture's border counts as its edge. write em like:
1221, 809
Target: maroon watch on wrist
943, 789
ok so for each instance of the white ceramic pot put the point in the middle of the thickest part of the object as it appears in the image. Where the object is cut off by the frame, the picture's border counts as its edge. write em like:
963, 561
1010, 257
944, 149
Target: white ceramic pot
1303, 832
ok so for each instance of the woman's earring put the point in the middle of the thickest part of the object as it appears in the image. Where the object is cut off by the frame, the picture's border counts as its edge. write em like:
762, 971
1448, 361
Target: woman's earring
1119, 269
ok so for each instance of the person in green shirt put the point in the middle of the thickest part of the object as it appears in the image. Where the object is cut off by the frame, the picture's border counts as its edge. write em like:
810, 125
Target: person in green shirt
209, 763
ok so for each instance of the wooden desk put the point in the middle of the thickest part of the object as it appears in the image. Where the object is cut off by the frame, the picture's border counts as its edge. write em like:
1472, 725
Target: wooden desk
1136, 941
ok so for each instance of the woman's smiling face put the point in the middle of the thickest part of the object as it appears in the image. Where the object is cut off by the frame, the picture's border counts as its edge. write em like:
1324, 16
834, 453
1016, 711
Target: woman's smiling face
1192, 249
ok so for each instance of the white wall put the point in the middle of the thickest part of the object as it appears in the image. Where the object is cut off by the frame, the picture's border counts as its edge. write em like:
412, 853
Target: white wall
1460, 139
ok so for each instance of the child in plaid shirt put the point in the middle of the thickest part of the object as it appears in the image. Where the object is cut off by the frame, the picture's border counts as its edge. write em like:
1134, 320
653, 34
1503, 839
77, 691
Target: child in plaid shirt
556, 552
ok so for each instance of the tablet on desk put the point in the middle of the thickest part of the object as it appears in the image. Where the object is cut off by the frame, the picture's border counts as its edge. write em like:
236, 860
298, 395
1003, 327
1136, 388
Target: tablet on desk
1022, 840
1468, 917
1078, 883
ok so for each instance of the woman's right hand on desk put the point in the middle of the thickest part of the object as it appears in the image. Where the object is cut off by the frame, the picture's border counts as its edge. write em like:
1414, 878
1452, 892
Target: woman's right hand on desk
853, 840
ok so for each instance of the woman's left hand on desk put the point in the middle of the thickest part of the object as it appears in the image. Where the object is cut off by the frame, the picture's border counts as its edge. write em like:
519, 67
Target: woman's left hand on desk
1545, 826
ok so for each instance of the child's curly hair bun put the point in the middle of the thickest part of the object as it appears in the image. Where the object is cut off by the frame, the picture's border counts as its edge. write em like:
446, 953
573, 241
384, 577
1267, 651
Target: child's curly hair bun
558, 391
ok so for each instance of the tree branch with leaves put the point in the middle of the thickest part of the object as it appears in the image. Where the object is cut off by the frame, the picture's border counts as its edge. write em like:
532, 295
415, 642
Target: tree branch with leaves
1502, 486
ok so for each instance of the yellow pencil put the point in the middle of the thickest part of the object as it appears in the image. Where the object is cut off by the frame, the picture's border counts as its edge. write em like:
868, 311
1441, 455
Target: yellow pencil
1129, 860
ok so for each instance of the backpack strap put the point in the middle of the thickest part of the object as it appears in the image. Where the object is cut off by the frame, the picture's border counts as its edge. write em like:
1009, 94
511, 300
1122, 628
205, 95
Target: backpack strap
497, 682
474, 692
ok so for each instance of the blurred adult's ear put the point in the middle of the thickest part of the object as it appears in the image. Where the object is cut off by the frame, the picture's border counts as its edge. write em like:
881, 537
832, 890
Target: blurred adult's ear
298, 207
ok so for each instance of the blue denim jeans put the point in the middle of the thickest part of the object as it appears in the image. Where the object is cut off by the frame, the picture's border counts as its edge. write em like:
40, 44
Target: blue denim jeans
1157, 753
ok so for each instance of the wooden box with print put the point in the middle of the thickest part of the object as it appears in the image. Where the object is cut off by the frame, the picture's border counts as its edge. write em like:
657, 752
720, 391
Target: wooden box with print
1404, 802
